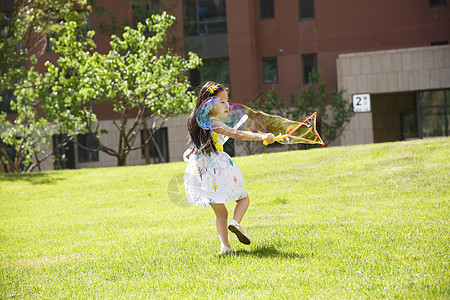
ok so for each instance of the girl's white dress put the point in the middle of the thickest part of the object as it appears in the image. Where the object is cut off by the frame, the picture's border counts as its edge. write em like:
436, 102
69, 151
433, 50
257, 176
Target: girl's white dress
213, 178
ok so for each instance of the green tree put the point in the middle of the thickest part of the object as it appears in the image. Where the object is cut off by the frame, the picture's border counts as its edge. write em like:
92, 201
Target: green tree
139, 77
24, 30
333, 111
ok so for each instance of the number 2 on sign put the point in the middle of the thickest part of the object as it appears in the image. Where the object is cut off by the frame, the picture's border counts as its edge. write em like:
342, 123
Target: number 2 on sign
361, 103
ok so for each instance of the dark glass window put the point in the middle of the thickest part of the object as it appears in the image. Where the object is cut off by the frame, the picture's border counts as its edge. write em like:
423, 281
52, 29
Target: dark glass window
433, 113
270, 70
266, 10
6, 7
5, 101
49, 45
438, 3
409, 125
158, 147
143, 10
204, 17
11, 153
87, 141
306, 9
439, 43
194, 78
309, 62
217, 69
88, 25
64, 152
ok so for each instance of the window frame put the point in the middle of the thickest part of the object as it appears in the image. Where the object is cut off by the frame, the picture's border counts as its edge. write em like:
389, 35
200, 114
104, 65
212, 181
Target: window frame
81, 152
421, 107
161, 137
307, 18
305, 75
263, 18
199, 27
265, 60
438, 43
440, 4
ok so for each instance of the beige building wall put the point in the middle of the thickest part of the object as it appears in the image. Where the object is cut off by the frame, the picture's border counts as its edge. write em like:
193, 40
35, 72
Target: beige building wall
46, 165
177, 143
176, 134
389, 71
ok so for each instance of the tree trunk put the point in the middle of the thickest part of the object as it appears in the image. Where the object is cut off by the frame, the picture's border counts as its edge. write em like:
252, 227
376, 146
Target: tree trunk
122, 160
38, 163
147, 145
10, 162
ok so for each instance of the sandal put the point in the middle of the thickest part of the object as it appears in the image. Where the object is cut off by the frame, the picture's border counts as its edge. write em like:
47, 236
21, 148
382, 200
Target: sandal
236, 228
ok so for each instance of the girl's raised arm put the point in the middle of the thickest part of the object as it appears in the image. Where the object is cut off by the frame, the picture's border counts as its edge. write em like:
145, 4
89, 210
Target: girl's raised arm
222, 128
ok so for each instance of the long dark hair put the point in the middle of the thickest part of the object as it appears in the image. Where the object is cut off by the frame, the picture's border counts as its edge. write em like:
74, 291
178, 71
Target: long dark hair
201, 139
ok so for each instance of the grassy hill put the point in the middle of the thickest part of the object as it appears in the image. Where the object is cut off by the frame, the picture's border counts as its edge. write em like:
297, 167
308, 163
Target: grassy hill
369, 221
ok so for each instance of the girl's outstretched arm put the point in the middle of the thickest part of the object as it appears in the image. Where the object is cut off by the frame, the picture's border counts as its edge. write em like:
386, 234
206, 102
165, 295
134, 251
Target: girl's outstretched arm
222, 128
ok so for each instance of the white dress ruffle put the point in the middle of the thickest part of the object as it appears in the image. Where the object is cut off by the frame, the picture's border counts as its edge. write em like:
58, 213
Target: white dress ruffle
213, 178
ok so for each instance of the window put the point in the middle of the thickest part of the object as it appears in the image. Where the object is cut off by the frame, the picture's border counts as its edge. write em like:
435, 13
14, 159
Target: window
5, 101
158, 147
433, 113
204, 17
11, 152
270, 70
266, 11
306, 9
144, 9
87, 141
88, 25
194, 78
49, 45
6, 7
217, 69
439, 43
408, 125
63, 149
438, 3
309, 62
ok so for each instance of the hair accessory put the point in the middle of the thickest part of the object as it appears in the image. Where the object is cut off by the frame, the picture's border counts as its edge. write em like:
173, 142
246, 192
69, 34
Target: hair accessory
212, 88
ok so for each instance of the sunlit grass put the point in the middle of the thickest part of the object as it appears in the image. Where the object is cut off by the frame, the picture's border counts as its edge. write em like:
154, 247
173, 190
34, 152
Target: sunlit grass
369, 221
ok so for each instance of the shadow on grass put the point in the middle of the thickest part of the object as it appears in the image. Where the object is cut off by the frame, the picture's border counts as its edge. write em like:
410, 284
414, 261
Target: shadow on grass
32, 178
267, 251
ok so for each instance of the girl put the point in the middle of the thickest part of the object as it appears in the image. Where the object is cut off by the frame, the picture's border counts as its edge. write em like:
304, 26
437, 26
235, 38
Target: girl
211, 177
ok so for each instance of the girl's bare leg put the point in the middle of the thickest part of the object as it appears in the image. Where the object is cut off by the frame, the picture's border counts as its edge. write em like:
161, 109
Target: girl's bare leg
221, 222
240, 209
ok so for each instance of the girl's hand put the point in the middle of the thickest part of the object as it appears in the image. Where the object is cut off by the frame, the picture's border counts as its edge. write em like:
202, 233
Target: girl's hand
268, 138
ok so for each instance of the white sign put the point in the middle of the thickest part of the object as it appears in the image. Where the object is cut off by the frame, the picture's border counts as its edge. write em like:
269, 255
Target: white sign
361, 103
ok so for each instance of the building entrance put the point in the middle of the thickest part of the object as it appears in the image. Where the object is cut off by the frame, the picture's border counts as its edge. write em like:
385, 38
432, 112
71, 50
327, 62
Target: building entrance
388, 112
410, 115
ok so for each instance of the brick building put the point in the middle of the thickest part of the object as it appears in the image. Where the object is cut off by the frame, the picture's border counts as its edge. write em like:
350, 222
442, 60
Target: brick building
395, 51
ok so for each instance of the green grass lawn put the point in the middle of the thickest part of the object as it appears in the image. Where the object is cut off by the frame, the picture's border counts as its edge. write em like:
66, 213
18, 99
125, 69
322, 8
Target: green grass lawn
369, 221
